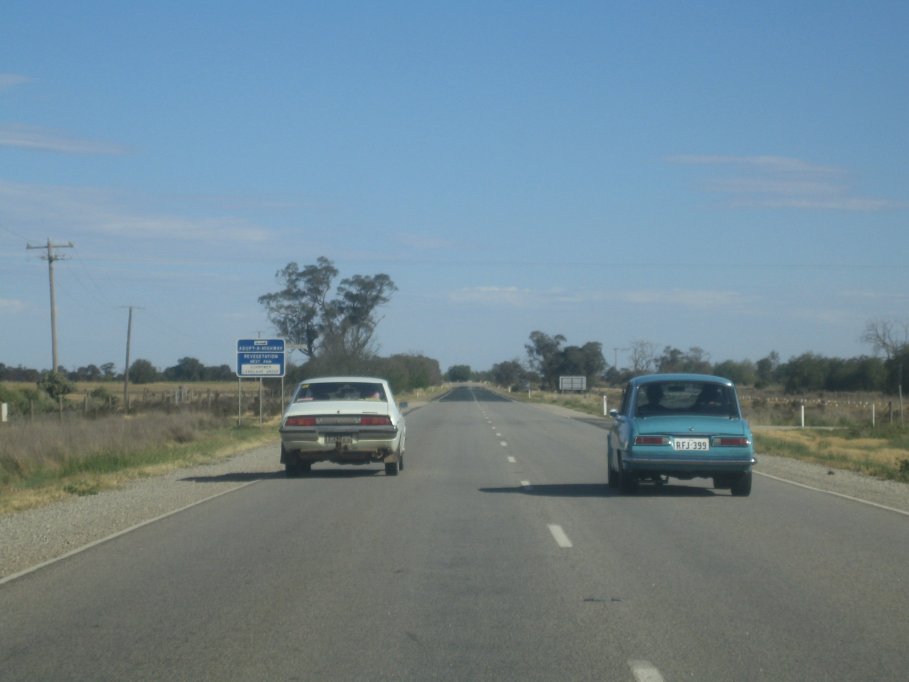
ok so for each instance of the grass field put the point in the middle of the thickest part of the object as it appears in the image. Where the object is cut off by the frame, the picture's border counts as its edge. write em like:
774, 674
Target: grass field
43, 462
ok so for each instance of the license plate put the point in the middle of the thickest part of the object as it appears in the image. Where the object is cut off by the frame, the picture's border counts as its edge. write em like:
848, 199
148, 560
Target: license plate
340, 440
691, 444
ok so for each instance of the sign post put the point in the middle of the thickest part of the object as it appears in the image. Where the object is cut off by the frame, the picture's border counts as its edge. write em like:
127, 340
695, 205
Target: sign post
258, 359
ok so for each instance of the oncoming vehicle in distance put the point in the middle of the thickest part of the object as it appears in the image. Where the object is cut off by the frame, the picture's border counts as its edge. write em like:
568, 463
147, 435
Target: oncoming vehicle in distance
344, 420
680, 425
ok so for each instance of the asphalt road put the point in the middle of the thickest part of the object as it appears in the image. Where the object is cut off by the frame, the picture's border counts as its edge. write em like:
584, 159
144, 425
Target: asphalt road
498, 554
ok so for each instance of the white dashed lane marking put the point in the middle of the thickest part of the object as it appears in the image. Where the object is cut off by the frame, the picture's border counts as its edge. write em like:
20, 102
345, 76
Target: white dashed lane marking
645, 671
559, 536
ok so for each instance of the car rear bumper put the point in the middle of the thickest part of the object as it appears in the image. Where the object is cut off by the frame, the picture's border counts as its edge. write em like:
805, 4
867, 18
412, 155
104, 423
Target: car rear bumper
702, 466
340, 445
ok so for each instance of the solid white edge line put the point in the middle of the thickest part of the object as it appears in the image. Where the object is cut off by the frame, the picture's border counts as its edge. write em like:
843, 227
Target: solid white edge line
831, 492
95, 543
559, 536
644, 671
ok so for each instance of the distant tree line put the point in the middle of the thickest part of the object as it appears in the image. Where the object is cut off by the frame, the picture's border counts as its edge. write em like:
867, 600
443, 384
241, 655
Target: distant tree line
333, 327
548, 358
803, 373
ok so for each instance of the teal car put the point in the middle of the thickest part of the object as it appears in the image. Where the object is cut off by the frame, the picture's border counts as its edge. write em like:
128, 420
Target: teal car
682, 426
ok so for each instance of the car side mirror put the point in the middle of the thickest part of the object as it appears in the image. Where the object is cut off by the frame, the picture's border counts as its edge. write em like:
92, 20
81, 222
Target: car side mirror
613, 413
403, 404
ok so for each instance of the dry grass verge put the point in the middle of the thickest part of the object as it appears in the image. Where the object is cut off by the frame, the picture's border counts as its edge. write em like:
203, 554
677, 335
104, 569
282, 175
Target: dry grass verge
46, 461
883, 455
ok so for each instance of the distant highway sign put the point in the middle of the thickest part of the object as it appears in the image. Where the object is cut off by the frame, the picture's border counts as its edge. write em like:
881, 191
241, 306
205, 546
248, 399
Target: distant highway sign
259, 358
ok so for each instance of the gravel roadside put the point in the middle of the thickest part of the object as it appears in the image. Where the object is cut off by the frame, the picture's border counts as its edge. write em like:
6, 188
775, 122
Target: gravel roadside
35, 536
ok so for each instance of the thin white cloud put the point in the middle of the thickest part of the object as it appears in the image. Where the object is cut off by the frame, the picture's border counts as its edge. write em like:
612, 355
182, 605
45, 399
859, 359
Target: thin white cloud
688, 298
887, 296
176, 227
41, 139
519, 297
783, 182
11, 306
425, 242
765, 163
11, 80
103, 211
491, 295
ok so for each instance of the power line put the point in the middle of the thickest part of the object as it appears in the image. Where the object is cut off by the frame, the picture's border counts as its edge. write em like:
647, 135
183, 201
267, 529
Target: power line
50, 257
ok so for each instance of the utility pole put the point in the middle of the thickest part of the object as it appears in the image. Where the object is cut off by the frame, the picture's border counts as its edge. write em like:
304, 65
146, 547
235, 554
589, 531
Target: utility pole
50, 257
129, 335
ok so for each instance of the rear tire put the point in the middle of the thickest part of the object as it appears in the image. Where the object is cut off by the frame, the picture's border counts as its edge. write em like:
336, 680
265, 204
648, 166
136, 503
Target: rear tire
392, 468
742, 486
723, 482
626, 482
295, 469
612, 476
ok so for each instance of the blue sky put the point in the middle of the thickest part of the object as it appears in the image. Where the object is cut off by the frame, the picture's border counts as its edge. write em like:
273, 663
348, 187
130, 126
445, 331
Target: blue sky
724, 175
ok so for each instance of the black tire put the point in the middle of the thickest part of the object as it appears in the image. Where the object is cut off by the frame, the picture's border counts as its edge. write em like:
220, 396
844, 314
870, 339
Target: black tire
392, 468
296, 468
742, 485
612, 476
627, 483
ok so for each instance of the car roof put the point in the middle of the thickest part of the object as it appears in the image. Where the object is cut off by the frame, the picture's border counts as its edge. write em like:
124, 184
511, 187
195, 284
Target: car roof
344, 380
652, 378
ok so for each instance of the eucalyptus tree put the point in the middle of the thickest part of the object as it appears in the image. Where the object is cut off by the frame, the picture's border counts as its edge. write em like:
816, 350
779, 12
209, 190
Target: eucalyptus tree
323, 321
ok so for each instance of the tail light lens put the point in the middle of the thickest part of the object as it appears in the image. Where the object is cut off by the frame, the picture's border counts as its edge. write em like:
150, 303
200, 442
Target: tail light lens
731, 441
651, 440
368, 420
300, 421
375, 421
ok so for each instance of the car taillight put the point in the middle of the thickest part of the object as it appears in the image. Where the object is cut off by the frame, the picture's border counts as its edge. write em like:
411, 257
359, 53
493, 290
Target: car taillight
300, 421
731, 441
375, 421
651, 440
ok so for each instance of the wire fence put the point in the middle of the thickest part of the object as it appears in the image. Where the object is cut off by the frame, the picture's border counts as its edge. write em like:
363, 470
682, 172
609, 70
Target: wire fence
242, 400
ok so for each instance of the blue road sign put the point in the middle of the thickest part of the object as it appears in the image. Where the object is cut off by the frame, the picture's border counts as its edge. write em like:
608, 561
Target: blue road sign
260, 358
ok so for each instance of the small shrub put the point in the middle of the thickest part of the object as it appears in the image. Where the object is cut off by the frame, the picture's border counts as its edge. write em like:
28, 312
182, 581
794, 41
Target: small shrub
904, 469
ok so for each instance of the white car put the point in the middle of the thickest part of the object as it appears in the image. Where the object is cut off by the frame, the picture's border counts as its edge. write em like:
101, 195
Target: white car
345, 420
